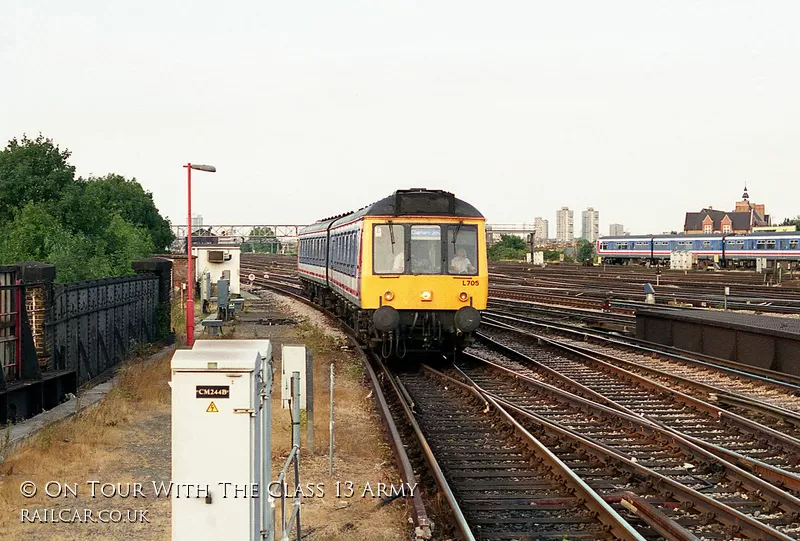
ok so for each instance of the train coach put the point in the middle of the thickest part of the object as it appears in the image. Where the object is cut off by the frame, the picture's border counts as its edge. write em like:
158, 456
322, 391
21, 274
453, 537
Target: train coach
407, 273
722, 248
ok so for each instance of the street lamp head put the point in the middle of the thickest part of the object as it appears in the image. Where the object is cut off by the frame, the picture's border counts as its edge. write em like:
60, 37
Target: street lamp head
207, 168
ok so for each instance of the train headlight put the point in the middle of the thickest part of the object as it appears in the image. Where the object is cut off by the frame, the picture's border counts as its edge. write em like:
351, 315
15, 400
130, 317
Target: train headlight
463, 296
426, 296
388, 295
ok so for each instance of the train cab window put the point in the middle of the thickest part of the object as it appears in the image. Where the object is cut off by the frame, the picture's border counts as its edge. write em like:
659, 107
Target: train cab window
388, 249
426, 249
462, 250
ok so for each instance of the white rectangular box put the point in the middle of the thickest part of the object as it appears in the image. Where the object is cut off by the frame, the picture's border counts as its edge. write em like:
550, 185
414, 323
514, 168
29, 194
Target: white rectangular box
215, 440
293, 359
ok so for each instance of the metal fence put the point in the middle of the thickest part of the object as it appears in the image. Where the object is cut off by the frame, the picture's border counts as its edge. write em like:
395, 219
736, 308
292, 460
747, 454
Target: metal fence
95, 323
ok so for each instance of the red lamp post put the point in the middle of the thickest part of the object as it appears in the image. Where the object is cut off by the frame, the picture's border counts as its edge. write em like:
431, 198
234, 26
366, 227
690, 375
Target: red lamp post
189, 269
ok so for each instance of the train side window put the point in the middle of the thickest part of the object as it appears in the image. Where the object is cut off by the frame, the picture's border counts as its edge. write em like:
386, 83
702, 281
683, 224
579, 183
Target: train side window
793, 245
388, 249
352, 249
604, 246
462, 251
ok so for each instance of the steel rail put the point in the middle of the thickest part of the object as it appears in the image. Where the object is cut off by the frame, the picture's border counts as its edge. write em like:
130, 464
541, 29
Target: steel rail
433, 464
647, 426
610, 518
788, 381
722, 395
779, 477
732, 517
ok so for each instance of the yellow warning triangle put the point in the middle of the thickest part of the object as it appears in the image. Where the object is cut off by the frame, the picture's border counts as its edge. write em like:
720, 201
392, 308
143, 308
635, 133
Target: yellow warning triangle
212, 408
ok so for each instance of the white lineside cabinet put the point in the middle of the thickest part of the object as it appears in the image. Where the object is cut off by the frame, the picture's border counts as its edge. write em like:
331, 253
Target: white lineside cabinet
216, 444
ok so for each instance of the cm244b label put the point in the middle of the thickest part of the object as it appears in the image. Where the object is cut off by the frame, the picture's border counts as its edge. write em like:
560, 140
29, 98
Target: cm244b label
213, 391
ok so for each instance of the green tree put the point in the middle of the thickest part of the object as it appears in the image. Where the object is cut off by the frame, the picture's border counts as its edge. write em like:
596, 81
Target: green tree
585, 251
32, 170
789, 221
89, 228
128, 199
509, 247
262, 240
36, 234
32, 235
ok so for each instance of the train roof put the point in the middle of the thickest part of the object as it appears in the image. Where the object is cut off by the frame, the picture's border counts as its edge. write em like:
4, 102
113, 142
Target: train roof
412, 202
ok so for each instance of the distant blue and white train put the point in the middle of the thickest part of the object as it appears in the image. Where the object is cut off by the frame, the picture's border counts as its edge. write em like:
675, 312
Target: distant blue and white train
724, 248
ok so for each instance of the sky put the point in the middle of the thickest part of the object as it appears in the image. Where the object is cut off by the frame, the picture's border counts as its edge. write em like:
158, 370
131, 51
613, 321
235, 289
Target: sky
641, 109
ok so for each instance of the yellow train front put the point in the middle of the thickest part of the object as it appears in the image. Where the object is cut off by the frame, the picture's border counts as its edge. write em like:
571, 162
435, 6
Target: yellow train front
408, 272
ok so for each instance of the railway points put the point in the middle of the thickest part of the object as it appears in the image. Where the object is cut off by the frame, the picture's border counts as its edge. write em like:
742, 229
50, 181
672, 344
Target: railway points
617, 444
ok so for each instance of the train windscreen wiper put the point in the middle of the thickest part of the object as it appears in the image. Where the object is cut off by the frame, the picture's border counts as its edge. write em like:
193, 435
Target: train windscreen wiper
455, 236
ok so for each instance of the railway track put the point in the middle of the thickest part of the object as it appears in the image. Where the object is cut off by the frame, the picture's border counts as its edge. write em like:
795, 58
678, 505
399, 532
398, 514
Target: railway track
583, 287
610, 449
776, 388
503, 482
770, 454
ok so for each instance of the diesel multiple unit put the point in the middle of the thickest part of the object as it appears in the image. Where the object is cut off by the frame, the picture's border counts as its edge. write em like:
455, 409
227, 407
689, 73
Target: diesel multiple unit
408, 272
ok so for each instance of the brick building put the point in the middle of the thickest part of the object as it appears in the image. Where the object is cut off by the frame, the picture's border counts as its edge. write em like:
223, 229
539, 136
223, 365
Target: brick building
742, 219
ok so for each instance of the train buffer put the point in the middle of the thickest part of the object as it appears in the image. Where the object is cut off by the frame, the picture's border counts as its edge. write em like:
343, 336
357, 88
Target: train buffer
213, 324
